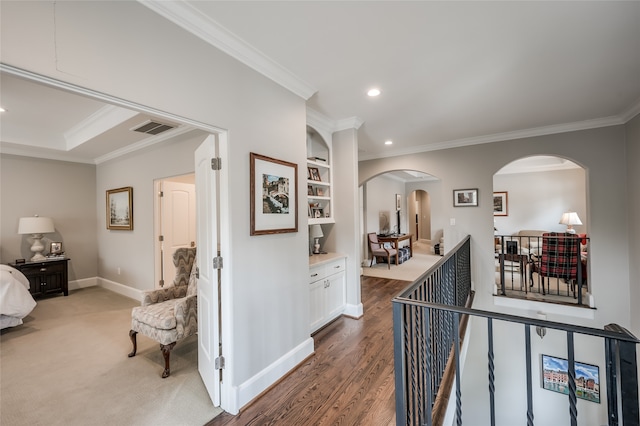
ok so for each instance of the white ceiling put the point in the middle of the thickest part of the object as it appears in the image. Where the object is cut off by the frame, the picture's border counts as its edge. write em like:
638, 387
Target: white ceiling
451, 73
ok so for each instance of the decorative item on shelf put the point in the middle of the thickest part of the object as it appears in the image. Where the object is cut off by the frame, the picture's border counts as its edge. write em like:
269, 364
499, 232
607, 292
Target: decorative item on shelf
313, 173
570, 219
316, 234
36, 226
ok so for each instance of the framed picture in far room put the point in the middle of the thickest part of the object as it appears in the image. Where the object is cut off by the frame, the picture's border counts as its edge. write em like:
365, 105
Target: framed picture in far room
120, 209
465, 197
55, 248
500, 204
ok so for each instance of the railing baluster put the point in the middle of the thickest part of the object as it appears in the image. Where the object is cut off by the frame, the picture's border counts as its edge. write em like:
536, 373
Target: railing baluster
427, 371
573, 410
527, 344
456, 340
610, 348
492, 387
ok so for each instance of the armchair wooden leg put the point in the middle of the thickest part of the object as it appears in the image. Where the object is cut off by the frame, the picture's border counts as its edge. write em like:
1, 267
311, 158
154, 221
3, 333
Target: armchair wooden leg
166, 352
132, 335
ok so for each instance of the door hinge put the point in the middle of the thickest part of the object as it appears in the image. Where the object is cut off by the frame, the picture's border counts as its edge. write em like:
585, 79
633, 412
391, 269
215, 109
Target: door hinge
197, 272
216, 163
217, 262
161, 194
161, 238
219, 363
161, 283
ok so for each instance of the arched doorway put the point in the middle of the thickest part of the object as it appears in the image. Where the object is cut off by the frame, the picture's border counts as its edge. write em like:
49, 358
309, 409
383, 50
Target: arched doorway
400, 200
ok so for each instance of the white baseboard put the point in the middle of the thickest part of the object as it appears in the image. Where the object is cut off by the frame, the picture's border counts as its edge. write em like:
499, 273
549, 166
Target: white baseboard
257, 384
83, 283
353, 311
122, 289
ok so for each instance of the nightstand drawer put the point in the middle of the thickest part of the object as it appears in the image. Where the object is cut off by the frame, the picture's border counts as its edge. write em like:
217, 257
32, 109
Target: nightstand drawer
43, 268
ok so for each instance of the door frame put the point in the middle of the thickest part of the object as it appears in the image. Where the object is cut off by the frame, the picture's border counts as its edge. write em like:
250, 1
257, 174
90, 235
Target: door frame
227, 402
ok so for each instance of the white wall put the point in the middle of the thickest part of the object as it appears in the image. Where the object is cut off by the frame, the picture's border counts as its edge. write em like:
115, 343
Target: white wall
125, 50
63, 191
600, 151
381, 197
536, 201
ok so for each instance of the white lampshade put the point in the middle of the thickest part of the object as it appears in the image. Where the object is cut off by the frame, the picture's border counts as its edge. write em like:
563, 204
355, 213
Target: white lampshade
316, 231
570, 218
35, 225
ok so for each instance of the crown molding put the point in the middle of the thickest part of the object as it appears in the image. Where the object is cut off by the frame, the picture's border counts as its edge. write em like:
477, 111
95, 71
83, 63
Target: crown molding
500, 137
102, 120
192, 20
348, 123
41, 152
631, 112
318, 121
144, 143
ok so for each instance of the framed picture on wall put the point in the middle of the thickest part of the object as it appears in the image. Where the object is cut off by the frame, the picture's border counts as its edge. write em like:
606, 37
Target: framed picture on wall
500, 204
465, 197
120, 209
555, 377
274, 186
398, 202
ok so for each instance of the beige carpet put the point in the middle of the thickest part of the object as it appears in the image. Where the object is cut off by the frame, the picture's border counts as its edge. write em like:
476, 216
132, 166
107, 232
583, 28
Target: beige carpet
67, 365
410, 270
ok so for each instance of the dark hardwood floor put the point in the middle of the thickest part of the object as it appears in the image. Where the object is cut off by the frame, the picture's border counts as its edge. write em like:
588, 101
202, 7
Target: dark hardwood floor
349, 379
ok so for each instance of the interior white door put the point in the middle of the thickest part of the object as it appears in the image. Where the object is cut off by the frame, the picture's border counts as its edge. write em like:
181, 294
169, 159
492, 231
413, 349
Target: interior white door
178, 222
208, 281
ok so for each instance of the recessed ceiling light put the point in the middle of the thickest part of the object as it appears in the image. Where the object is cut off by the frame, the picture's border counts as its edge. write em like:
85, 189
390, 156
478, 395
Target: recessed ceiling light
388, 142
373, 92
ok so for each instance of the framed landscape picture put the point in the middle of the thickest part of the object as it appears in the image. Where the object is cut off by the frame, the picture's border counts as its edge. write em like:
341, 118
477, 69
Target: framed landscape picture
555, 377
500, 204
273, 204
120, 209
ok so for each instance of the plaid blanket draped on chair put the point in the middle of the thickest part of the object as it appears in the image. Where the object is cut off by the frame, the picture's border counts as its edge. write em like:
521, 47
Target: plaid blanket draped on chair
560, 255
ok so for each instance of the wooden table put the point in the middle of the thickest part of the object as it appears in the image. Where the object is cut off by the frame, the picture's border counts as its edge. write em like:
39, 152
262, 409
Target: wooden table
396, 238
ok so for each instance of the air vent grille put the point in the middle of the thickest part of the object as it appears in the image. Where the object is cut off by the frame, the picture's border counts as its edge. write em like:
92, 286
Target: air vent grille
152, 128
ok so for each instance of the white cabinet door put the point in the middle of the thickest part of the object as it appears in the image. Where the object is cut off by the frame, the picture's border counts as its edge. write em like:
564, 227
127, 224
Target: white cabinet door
335, 295
316, 304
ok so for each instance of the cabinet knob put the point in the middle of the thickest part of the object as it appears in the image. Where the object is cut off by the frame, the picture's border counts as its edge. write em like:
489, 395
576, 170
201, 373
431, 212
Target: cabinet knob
43, 269
314, 275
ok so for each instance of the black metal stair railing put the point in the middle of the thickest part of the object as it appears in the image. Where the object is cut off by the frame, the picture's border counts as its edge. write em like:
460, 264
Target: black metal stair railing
427, 317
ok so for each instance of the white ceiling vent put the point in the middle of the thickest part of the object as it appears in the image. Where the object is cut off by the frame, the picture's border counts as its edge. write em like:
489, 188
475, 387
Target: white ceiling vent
151, 127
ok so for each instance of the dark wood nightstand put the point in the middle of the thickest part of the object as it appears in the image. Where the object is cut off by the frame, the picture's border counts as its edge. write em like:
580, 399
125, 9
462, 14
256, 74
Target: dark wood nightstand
46, 277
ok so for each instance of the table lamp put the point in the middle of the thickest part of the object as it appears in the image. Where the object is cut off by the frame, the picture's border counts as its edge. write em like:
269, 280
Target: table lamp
570, 219
316, 232
36, 226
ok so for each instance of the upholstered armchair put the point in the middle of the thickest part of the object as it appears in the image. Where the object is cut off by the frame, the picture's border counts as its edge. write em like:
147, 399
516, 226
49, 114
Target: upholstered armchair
169, 314
376, 249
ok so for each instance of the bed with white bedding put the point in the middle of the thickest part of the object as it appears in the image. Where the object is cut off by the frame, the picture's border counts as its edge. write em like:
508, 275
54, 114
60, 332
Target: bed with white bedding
16, 301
